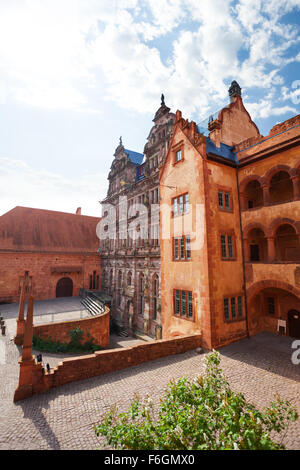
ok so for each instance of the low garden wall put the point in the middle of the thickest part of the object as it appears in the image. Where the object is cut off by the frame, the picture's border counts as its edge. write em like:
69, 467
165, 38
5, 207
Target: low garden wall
101, 362
93, 327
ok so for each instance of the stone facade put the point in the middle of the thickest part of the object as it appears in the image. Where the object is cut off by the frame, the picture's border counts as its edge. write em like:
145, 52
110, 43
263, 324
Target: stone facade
130, 260
55, 251
230, 267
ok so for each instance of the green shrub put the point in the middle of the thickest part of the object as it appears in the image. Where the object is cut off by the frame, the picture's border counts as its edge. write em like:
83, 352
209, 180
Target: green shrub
48, 345
200, 414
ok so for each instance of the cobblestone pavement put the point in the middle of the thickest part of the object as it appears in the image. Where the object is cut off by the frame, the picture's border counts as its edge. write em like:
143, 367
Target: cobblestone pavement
63, 418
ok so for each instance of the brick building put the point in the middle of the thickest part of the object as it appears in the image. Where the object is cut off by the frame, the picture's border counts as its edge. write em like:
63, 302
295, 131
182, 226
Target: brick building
130, 250
56, 251
230, 248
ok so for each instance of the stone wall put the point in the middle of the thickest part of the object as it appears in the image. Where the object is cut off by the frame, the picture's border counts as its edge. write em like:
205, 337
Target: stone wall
93, 327
101, 362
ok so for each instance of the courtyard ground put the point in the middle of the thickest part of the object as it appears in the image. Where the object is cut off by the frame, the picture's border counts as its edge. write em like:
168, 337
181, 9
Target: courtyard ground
63, 418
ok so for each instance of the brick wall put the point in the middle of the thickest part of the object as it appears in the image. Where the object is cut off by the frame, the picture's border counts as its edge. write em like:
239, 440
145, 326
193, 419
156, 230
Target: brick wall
40, 267
102, 362
94, 327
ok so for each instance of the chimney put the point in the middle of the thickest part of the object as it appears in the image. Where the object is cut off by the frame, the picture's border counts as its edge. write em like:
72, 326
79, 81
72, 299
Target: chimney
78, 211
234, 90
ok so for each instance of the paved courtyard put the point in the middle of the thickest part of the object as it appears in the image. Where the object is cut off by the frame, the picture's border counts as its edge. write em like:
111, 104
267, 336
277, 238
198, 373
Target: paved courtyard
63, 418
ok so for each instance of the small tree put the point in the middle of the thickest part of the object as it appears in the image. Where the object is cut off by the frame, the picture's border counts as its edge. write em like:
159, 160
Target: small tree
199, 414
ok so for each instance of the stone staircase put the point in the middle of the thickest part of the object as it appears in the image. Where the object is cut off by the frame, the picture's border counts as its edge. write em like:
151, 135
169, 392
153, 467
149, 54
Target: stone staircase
92, 304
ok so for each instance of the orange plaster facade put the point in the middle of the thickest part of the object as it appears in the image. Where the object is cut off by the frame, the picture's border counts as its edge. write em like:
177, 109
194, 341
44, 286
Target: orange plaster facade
243, 219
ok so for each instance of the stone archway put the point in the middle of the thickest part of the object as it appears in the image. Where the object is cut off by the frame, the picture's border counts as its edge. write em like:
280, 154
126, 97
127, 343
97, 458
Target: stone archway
64, 287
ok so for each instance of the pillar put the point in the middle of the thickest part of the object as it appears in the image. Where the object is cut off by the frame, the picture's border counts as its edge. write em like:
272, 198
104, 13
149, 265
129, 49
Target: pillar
296, 187
27, 361
266, 195
21, 321
271, 249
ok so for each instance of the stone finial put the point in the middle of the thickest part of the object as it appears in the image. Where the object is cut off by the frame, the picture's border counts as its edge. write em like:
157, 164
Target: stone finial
121, 143
78, 211
162, 100
234, 90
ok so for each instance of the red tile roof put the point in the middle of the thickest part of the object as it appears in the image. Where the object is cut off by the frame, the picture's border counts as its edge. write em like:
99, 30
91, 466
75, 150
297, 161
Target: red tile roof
39, 230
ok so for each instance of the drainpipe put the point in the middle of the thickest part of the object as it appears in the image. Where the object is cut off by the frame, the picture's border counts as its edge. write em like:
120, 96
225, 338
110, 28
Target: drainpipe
243, 256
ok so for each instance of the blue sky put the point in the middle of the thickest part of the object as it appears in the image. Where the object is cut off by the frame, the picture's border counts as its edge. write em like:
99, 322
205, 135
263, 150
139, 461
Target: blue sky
75, 75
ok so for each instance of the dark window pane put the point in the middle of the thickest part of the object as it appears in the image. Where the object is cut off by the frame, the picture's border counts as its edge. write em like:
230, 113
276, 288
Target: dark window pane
240, 307
226, 309
190, 304
254, 252
176, 252
223, 246
181, 248
227, 201
233, 307
220, 198
271, 305
230, 246
183, 303
177, 302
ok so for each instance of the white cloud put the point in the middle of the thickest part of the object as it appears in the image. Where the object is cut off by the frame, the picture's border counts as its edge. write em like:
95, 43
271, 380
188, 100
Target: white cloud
48, 190
53, 52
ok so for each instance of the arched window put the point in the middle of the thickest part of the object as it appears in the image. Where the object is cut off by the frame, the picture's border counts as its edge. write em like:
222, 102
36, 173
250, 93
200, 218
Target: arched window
253, 195
258, 246
281, 188
129, 278
287, 243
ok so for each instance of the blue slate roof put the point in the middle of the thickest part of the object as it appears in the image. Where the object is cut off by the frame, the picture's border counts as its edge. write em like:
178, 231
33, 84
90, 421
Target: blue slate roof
224, 150
134, 157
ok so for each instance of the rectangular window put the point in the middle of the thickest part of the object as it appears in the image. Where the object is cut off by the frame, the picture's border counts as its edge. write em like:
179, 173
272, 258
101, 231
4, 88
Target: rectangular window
190, 304
177, 302
186, 203
227, 247
224, 200
226, 309
233, 308
182, 251
220, 199
223, 246
176, 248
181, 204
230, 246
178, 155
188, 248
183, 303
182, 248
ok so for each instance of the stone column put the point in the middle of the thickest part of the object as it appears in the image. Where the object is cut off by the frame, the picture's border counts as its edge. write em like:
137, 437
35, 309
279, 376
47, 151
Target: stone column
266, 195
21, 321
271, 249
296, 187
27, 361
